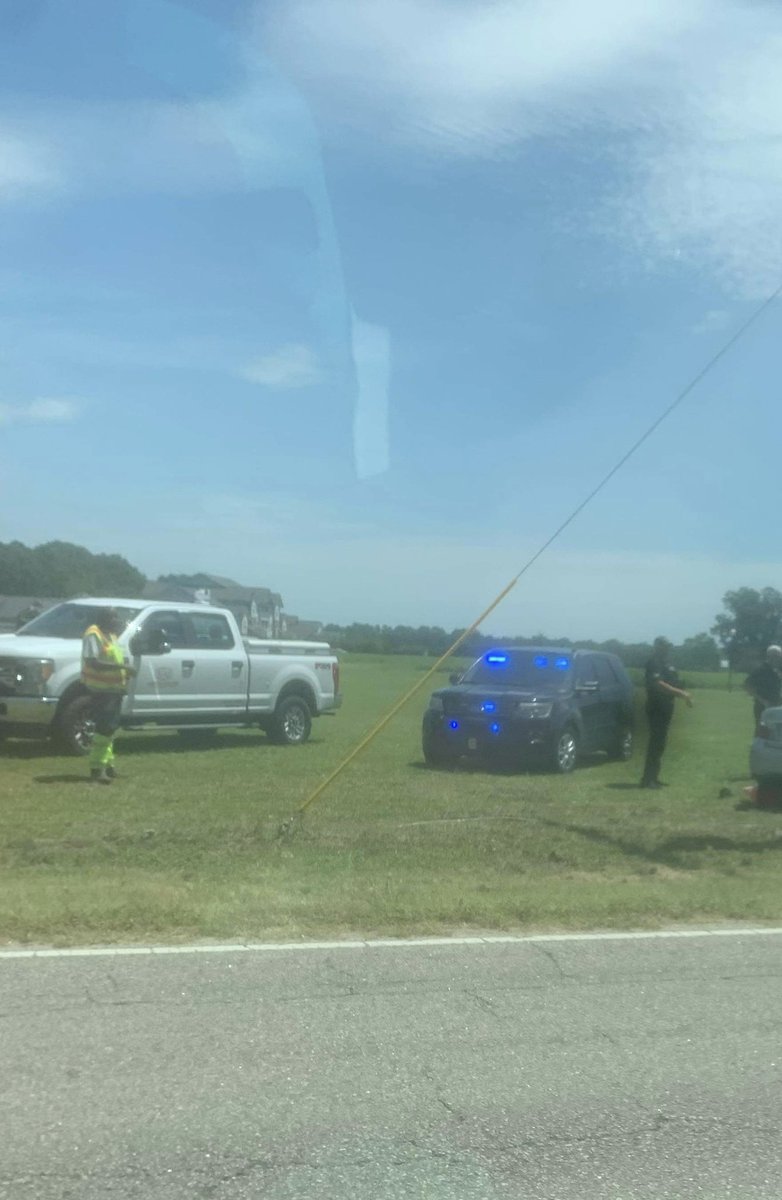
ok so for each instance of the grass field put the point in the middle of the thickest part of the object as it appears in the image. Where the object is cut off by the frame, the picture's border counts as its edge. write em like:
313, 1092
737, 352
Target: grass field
185, 844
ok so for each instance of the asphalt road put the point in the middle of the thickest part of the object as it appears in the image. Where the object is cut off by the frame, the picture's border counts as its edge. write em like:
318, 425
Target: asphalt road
596, 1070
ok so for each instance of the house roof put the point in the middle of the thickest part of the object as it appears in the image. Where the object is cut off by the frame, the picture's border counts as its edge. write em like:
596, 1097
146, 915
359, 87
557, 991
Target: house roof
222, 591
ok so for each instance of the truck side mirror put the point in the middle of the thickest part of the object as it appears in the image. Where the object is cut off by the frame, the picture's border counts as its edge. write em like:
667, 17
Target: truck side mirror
153, 642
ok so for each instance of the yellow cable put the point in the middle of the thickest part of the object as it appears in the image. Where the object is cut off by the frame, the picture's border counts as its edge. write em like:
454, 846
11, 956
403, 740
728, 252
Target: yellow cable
381, 724
750, 320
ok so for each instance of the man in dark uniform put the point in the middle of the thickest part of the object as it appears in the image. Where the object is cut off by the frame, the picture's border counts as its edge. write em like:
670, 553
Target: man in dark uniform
662, 688
764, 684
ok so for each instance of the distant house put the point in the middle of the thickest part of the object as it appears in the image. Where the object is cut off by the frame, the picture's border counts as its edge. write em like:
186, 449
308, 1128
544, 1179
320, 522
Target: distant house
258, 610
300, 630
16, 611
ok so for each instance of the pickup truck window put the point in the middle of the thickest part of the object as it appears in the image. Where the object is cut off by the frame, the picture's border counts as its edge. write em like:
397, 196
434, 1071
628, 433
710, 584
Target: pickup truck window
69, 621
169, 623
206, 631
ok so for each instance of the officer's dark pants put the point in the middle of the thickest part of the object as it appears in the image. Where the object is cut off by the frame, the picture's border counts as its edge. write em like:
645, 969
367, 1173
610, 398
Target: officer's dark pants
659, 720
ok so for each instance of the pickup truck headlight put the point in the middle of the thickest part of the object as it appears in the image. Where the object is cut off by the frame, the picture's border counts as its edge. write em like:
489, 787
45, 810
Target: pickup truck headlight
31, 675
537, 711
436, 704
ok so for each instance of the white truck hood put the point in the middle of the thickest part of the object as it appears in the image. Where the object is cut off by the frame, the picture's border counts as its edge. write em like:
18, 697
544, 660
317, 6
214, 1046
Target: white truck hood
12, 646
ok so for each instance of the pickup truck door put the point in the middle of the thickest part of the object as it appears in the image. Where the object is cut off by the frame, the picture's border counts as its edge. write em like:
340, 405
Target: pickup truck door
204, 672
163, 681
218, 677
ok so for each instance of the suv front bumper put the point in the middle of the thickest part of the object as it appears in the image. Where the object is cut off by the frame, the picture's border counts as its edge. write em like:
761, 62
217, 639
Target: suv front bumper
475, 736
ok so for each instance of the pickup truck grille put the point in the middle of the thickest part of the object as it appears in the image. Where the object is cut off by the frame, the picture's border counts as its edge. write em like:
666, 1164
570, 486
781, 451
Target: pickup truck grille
9, 676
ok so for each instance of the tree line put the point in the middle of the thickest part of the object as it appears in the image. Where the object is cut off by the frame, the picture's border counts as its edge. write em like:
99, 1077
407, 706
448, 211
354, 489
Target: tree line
750, 621
699, 653
751, 618
62, 570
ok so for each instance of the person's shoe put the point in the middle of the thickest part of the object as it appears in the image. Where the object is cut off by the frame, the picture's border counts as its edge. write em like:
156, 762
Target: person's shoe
100, 775
111, 771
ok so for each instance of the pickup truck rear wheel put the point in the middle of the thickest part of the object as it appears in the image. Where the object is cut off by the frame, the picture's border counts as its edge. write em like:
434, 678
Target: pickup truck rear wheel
74, 727
291, 724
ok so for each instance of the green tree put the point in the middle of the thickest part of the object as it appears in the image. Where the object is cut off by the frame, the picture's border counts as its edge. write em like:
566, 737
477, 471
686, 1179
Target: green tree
752, 620
698, 653
64, 569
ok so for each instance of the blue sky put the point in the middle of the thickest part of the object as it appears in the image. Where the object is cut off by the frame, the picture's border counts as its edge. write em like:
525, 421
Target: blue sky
358, 300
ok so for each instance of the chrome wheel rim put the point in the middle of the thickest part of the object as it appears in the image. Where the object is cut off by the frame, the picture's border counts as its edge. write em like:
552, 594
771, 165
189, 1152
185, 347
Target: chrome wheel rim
294, 724
566, 752
83, 733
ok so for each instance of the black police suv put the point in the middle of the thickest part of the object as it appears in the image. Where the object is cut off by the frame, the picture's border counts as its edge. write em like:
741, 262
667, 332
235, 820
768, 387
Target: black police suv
539, 705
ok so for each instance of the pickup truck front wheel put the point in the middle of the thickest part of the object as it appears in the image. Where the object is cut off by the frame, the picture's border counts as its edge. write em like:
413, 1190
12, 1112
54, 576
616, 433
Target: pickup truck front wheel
291, 724
74, 727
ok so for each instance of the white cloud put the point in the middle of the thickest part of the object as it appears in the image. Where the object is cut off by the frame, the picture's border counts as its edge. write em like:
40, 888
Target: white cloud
292, 366
261, 134
468, 75
46, 411
26, 166
713, 321
687, 95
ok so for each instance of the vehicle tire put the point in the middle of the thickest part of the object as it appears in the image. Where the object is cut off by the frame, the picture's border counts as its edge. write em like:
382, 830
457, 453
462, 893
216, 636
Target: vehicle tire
768, 793
291, 724
565, 754
74, 727
622, 747
436, 752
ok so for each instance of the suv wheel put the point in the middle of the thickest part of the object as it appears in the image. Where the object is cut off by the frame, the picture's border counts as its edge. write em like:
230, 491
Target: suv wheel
436, 753
622, 748
566, 752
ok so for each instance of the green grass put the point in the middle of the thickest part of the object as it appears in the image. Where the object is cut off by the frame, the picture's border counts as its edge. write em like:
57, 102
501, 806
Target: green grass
185, 844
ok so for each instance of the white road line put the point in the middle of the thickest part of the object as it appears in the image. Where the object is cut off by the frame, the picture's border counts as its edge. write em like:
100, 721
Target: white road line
389, 943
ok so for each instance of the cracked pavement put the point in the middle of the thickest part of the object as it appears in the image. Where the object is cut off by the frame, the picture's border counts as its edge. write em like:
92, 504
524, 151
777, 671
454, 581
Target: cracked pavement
598, 1070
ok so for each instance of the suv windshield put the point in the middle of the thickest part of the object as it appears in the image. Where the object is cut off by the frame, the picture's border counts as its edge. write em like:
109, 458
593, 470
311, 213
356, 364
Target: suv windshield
70, 620
533, 669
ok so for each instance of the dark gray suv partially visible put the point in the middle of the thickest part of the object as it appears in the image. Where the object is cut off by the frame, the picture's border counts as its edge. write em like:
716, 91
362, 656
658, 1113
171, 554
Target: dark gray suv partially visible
539, 706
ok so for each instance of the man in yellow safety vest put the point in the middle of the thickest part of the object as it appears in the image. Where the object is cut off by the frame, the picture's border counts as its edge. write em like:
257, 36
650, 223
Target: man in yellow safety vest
105, 674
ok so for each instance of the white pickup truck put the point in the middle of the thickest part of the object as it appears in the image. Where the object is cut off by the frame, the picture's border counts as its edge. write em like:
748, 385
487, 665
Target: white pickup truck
194, 672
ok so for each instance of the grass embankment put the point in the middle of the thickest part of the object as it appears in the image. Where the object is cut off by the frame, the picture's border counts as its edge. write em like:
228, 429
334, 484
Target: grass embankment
184, 845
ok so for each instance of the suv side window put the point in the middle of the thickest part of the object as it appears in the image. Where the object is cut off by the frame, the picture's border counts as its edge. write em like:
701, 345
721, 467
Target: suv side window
585, 670
606, 676
169, 623
207, 631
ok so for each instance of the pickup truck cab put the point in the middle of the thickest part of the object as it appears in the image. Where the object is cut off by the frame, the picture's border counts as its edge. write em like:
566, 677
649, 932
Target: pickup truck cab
194, 672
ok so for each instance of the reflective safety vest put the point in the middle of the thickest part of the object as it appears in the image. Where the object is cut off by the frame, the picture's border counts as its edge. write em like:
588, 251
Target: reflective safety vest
107, 673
